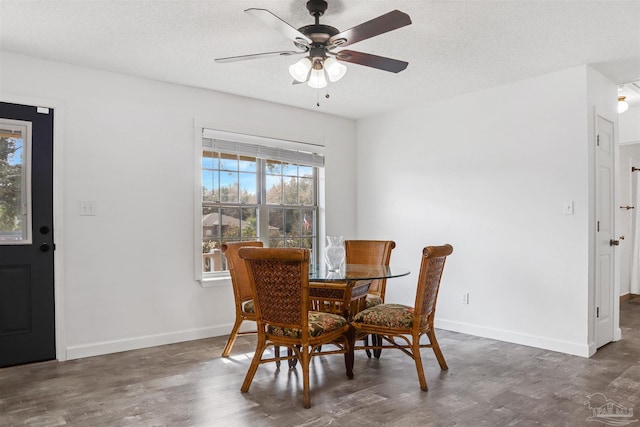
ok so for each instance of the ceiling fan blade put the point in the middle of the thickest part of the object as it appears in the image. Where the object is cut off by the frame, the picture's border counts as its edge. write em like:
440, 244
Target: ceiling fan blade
374, 61
380, 25
278, 24
260, 55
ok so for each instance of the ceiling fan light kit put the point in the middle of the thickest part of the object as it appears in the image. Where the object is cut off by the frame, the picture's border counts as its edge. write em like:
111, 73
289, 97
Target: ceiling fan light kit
317, 79
334, 69
300, 70
622, 104
318, 42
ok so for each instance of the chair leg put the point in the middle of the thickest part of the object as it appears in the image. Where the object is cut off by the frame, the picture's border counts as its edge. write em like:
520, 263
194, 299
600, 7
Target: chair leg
366, 343
262, 343
232, 337
276, 352
292, 361
415, 350
349, 356
378, 340
306, 358
436, 349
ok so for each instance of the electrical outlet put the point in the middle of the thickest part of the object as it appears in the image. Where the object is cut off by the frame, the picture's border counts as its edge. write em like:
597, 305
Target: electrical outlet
465, 298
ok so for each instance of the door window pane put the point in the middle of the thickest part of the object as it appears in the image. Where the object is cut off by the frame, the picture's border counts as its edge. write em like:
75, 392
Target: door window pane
15, 191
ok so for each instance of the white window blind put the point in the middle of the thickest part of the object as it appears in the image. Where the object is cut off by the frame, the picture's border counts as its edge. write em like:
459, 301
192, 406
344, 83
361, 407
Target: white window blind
265, 152
305, 153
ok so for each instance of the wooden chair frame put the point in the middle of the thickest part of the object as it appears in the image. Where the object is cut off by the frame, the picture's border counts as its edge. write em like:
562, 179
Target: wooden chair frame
343, 298
431, 268
279, 279
370, 252
241, 289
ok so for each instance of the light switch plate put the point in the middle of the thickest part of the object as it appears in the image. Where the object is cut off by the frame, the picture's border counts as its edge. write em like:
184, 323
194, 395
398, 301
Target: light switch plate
568, 207
87, 208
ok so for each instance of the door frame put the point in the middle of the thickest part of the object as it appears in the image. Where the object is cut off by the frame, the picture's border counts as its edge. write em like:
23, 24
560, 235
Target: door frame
617, 332
615, 289
58, 204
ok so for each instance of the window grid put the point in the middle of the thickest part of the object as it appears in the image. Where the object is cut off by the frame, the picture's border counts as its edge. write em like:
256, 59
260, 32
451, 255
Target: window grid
246, 198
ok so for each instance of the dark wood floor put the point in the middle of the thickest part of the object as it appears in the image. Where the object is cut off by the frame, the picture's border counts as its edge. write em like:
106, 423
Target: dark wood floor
489, 383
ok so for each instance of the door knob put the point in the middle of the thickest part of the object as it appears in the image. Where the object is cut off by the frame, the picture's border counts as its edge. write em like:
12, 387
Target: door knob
45, 247
614, 242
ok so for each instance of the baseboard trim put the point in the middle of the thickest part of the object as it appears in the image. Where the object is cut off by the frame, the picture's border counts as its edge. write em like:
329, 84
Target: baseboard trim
135, 343
629, 298
567, 347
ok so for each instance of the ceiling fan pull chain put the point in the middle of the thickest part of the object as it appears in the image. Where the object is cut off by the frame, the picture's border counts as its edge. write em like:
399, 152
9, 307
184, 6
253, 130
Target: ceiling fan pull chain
318, 96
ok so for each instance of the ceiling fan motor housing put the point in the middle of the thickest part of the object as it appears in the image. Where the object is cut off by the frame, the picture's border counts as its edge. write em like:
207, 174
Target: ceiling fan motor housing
317, 7
318, 33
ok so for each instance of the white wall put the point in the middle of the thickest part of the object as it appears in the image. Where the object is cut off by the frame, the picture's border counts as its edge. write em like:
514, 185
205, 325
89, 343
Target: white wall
629, 126
128, 144
489, 173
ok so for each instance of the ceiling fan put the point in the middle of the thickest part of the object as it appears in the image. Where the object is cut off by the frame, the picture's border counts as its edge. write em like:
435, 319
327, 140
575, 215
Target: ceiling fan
319, 41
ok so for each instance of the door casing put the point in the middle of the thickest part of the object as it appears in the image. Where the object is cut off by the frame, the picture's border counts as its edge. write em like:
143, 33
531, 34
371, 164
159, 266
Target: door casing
614, 333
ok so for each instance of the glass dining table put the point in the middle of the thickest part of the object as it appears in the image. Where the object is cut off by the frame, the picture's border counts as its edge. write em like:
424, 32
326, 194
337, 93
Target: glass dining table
347, 287
344, 292
356, 272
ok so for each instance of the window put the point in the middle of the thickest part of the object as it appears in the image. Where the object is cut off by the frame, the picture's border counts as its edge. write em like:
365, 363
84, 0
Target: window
256, 192
15, 182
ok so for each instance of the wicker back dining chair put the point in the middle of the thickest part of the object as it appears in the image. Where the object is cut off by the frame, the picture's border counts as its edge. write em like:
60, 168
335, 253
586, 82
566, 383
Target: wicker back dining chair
279, 279
370, 252
241, 290
402, 326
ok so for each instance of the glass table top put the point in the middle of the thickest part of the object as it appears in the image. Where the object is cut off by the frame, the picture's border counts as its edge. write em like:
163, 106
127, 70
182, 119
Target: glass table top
357, 272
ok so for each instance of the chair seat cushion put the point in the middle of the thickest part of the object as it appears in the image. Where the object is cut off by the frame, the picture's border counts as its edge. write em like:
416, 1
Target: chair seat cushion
319, 323
248, 307
388, 315
373, 300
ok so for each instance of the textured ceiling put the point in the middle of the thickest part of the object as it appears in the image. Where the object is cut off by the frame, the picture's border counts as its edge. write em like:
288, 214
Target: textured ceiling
452, 47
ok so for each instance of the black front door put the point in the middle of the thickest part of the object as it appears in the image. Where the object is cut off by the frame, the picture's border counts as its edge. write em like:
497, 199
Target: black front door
27, 308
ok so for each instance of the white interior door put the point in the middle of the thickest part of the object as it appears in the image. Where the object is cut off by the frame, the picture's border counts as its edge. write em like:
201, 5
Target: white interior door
606, 241
632, 247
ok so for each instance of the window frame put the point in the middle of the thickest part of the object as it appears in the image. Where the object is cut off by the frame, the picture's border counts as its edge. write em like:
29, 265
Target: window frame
310, 153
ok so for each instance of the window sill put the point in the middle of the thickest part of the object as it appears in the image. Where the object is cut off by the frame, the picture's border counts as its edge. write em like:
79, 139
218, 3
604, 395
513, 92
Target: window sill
215, 282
